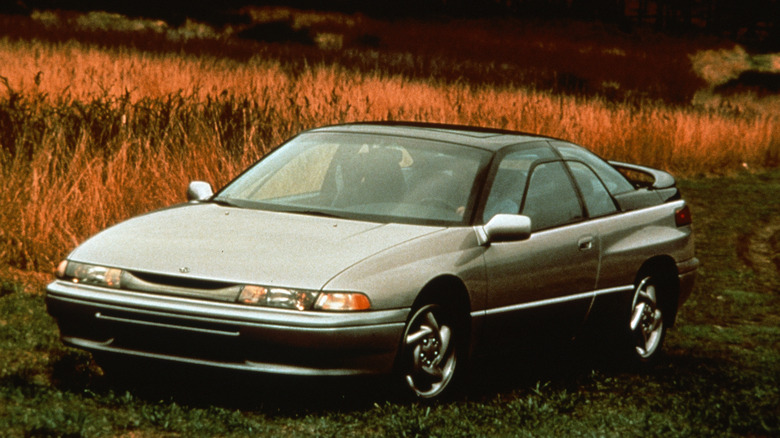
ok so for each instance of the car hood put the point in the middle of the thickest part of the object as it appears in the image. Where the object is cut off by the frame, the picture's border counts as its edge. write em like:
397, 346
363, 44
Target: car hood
208, 241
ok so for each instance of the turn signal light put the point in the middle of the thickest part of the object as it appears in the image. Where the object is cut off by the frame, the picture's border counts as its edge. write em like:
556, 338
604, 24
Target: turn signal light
342, 301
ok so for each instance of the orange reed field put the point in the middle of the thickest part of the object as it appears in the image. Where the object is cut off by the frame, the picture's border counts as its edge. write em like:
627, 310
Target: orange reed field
90, 136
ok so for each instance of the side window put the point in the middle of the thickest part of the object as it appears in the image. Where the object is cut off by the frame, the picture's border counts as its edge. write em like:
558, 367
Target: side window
551, 199
508, 187
596, 197
614, 181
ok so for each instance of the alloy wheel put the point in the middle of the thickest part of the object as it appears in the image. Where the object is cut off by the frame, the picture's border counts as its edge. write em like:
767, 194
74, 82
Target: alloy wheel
647, 322
429, 350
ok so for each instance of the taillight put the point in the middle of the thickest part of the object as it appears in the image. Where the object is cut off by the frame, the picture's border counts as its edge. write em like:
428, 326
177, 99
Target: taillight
682, 216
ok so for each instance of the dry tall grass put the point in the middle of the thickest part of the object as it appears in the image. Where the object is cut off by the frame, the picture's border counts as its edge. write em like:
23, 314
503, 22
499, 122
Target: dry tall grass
91, 136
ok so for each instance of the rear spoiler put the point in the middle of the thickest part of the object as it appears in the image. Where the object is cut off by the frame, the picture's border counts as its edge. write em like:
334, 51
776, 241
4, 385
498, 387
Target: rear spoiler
660, 179
653, 186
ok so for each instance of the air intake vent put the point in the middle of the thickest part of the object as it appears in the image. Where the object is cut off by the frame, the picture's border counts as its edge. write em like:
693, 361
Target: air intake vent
188, 283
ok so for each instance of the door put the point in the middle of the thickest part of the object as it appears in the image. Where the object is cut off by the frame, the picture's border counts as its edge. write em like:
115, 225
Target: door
541, 288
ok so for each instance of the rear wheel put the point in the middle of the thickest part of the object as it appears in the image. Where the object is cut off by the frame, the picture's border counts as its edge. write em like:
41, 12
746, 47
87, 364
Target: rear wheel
430, 351
646, 325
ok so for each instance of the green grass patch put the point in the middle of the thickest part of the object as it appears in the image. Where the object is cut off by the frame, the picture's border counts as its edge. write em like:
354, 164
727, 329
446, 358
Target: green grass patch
721, 376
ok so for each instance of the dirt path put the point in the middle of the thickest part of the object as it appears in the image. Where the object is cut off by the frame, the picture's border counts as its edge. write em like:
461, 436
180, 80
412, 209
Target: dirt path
761, 251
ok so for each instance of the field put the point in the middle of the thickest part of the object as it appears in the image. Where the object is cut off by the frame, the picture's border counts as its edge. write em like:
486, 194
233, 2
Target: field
92, 134
720, 376
96, 127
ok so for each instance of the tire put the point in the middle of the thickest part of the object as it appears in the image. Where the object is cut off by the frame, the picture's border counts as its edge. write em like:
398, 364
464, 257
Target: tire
646, 325
430, 351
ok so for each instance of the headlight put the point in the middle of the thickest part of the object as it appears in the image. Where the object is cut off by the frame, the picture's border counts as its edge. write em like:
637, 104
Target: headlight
89, 274
277, 297
303, 299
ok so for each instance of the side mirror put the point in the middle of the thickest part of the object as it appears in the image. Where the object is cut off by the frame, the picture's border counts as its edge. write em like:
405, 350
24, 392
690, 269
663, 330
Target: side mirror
504, 228
199, 191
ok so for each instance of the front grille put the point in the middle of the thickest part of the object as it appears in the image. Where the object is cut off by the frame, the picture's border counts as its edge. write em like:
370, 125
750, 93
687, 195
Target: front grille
180, 286
188, 283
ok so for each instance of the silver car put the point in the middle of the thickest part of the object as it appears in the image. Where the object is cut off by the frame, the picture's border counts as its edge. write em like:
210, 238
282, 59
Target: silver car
388, 248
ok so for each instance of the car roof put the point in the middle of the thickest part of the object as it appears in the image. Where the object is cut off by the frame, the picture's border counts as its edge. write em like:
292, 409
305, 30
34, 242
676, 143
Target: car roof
490, 139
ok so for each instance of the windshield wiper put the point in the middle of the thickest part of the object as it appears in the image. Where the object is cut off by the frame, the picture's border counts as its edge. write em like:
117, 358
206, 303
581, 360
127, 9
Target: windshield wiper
311, 213
228, 202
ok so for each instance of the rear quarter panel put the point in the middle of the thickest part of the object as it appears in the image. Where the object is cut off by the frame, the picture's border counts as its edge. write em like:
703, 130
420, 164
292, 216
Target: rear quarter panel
628, 240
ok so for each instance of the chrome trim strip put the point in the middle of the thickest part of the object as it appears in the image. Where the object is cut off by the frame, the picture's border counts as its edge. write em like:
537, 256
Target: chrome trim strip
612, 290
552, 301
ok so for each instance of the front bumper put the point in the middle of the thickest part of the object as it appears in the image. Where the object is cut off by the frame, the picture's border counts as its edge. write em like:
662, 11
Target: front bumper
225, 335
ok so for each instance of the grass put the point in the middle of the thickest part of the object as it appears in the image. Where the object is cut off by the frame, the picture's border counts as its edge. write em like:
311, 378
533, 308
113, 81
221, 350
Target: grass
91, 135
721, 376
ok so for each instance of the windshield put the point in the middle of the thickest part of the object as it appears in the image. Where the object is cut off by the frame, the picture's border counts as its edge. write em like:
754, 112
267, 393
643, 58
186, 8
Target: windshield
367, 177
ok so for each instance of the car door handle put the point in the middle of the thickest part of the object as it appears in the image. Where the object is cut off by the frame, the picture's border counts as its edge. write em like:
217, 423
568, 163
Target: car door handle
585, 243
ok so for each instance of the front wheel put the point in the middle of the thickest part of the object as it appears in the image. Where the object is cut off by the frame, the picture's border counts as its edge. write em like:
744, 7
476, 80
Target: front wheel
430, 353
646, 325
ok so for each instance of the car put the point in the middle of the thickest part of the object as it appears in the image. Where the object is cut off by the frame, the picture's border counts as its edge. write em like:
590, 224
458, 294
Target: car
392, 248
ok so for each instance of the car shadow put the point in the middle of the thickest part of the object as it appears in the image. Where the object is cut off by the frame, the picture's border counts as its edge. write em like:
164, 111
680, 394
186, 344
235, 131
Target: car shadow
193, 386
488, 376
508, 370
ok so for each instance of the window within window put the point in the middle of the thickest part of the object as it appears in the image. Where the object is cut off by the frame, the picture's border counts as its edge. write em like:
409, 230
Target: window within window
614, 181
551, 200
596, 197
508, 187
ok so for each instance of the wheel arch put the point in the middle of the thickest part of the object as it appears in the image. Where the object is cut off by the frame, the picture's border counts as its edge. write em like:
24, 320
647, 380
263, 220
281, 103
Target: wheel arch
664, 269
451, 291
445, 289
448, 290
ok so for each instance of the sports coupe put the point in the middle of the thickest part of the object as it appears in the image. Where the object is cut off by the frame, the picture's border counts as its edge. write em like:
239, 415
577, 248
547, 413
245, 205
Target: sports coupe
388, 247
